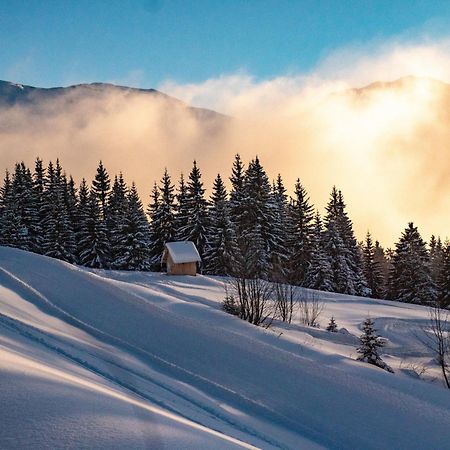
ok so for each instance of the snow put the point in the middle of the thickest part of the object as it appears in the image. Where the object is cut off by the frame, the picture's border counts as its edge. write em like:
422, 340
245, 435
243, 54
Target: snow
108, 359
17, 85
182, 252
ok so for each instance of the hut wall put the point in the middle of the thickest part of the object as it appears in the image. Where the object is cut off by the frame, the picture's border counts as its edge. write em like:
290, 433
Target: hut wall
189, 268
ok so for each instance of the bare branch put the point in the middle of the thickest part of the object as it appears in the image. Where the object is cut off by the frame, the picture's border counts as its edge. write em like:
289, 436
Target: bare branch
310, 308
437, 339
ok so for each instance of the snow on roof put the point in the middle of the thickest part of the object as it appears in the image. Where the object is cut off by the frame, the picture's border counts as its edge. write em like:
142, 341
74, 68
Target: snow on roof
182, 252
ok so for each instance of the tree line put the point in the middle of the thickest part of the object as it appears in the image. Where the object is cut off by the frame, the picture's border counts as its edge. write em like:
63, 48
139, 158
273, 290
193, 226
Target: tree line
255, 230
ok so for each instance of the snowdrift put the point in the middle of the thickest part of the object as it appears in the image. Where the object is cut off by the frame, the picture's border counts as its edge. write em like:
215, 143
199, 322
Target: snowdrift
98, 359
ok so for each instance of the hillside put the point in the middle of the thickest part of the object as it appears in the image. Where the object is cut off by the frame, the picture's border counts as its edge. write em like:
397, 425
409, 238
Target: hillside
98, 359
14, 94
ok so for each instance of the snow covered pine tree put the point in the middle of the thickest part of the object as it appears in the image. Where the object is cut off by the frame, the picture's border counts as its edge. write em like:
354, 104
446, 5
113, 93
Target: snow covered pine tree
162, 218
195, 212
369, 345
371, 268
332, 326
411, 280
221, 248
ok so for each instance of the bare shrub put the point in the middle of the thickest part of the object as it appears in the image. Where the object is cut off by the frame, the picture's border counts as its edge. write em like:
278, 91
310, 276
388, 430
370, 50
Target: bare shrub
253, 297
418, 369
310, 308
437, 339
286, 300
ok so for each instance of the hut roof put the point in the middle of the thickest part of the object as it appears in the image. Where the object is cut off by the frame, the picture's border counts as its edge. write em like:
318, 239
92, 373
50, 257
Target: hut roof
181, 252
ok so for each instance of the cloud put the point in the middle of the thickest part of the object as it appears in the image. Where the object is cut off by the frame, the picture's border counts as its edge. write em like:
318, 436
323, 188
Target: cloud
348, 67
386, 146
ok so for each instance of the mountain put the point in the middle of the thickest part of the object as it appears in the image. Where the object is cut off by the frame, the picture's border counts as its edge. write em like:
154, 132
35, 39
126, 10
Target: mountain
408, 83
134, 131
401, 82
104, 359
19, 94
14, 94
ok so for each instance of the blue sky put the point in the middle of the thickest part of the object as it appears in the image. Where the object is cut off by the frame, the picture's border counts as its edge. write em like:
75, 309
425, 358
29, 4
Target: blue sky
145, 42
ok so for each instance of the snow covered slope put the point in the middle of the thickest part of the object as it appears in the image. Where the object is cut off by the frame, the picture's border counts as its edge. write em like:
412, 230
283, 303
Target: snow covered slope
96, 359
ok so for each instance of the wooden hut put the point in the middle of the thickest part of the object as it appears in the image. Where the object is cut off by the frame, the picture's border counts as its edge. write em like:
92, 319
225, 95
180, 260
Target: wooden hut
180, 258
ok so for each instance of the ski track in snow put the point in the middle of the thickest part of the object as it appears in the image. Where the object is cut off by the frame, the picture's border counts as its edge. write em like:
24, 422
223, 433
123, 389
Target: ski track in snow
61, 314
21, 328
164, 342
30, 333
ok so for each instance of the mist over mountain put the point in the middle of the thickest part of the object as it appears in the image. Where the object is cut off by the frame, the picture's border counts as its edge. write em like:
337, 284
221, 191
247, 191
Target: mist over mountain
137, 131
15, 94
373, 142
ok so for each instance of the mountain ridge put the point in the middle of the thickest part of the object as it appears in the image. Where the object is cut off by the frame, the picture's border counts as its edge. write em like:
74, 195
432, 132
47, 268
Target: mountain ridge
12, 93
17, 94
398, 82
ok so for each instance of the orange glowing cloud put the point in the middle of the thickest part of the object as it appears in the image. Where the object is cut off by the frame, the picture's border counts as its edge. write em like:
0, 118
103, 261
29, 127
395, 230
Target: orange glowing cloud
386, 146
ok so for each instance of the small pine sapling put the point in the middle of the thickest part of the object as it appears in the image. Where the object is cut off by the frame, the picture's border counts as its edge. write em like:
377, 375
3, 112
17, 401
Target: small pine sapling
230, 305
332, 326
369, 345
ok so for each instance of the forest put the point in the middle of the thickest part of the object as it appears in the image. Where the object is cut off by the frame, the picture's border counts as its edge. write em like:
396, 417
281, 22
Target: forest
254, 230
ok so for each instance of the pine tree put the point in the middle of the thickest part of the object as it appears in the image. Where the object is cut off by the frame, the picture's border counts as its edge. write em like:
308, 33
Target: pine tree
59, 238
153, 206
153, 212
49, 193
101, 186
32, 210
221, 250
93, 242
237, 216
38, 187
443, 280
181, 208
380, 258
369, 345
39, 178
411, 280
20, 221
341, 247
237, 194
10, 225
389, 255
436, 257
5, 191
355, 262
82, 216
279, 258
301, 229
332, 326
162, 215
196, 208
260, 238
342, 278
23, 204
134, 236
319, 274
372, 269
117, 211
71, 202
